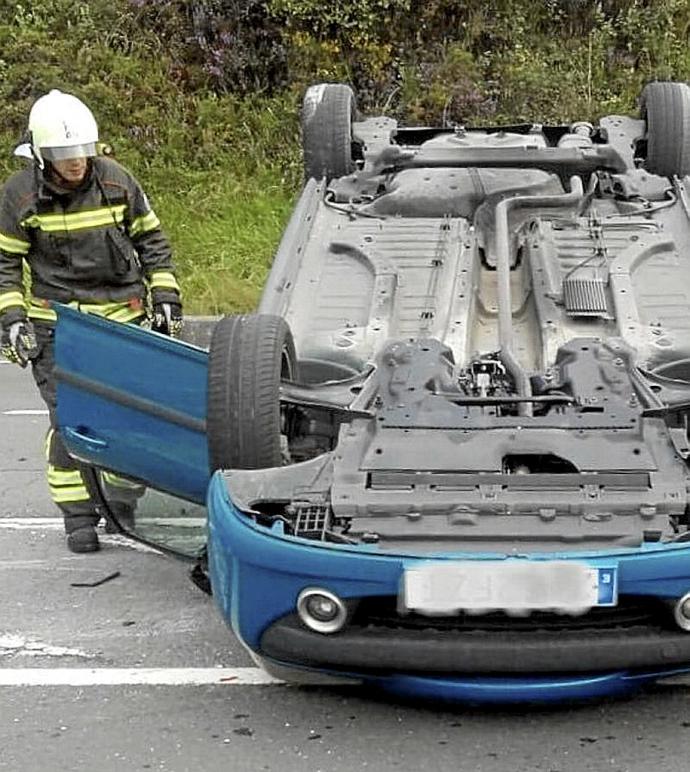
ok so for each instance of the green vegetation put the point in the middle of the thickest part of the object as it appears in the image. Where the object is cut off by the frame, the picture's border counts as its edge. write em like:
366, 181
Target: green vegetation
200, 99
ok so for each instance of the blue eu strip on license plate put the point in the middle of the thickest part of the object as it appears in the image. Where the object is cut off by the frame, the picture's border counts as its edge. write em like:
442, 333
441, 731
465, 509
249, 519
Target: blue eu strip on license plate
608, 586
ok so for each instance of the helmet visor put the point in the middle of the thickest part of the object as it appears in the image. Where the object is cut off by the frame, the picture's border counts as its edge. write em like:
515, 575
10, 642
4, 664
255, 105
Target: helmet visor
87, 150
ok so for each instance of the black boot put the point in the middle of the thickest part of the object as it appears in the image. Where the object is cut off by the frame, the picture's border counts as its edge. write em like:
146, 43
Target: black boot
81, 533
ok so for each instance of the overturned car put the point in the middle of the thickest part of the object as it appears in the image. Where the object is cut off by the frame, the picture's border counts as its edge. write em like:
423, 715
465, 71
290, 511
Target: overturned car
449, 454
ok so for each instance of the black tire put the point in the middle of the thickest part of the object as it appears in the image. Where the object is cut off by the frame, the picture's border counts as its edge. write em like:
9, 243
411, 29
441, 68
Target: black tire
665, 106
249, 355
328, 112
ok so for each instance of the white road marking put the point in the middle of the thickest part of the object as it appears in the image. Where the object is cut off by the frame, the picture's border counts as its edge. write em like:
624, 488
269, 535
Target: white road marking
23, 523
52, 522
74, 563
57, 524
16, 645
150, 676
120, 540
163, 676
25, 412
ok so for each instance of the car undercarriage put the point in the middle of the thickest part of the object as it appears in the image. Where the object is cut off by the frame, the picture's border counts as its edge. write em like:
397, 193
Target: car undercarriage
491, 335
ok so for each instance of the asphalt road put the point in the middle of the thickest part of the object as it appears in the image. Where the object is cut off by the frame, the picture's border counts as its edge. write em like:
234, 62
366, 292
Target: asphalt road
152, 620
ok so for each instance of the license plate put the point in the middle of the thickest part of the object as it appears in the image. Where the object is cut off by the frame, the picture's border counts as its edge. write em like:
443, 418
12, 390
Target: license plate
513, 586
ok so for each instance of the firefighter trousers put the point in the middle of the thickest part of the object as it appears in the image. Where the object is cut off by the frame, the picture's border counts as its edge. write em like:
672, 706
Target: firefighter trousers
66, 483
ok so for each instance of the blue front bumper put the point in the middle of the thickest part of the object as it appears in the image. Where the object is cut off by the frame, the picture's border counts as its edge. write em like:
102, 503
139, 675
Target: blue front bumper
258, 573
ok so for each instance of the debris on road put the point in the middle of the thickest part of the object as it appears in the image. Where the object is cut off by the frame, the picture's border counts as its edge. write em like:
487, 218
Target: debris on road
97, 583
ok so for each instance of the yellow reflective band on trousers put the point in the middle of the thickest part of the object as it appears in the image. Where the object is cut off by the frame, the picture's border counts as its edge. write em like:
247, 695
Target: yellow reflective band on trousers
116, 312
164, 280
11, 299
115, 481
60, 477
144, 224
15, 246
76, 221
66, 486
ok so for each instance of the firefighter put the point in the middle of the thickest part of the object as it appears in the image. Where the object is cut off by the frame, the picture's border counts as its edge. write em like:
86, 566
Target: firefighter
84, 227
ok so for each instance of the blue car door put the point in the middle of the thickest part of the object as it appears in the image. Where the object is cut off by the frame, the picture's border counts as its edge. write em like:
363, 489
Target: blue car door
134, 402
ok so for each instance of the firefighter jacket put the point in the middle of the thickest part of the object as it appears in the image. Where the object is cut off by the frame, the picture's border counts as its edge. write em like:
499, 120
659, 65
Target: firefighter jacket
99, 244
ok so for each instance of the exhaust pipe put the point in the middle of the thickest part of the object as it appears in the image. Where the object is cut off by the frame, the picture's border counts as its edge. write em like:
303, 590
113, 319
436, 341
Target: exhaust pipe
505, 308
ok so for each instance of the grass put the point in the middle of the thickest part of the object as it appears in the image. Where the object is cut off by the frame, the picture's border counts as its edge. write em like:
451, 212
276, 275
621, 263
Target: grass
224, 230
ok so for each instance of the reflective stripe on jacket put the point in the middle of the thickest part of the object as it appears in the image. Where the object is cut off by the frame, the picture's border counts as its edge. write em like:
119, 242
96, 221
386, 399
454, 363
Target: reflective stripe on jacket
127, 311
100, 243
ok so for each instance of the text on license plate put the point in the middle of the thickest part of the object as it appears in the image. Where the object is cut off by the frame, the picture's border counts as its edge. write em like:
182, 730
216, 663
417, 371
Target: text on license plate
512, 585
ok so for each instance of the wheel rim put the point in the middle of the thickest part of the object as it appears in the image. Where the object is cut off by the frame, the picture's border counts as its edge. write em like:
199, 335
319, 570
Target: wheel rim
286, 365
287, 372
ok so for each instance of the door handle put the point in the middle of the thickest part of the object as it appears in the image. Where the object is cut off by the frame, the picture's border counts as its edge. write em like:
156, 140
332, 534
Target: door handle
91, 442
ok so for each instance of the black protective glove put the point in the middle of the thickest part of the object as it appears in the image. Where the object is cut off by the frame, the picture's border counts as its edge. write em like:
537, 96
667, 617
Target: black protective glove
166, 306
18, 343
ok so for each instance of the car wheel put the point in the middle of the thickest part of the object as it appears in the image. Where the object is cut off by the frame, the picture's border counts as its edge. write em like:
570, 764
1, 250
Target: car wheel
328, 112
665, 107
248, 358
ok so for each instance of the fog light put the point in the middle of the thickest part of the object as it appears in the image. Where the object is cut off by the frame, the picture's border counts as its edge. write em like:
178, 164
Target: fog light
681, 612
321, 610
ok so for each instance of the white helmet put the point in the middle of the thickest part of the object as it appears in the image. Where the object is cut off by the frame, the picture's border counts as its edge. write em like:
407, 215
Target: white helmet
61, 127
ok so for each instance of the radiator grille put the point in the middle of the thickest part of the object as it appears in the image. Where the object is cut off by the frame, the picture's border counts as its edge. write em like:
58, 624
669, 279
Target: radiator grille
631, 612
311, 521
